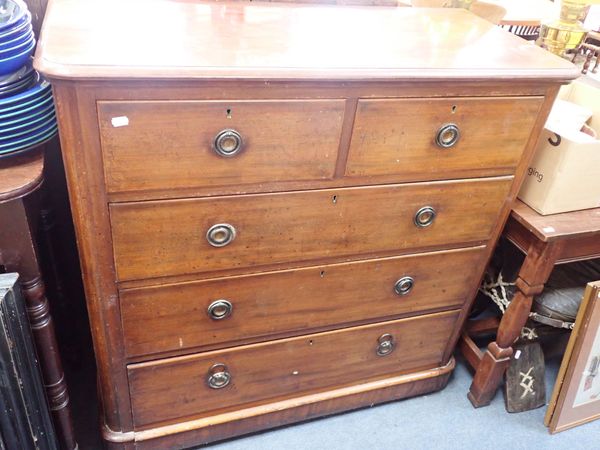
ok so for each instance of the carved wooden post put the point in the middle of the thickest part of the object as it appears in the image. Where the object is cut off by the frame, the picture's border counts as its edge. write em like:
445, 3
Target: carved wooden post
534, 273
18, 220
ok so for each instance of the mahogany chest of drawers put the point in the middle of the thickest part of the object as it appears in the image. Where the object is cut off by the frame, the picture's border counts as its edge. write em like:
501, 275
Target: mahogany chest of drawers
282, 211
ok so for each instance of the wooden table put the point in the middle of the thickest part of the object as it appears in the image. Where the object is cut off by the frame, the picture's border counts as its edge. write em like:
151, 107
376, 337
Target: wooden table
20, 180
546, 241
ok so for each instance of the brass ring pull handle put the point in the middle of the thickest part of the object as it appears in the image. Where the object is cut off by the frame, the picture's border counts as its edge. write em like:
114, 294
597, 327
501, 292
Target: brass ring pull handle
385, 344
219, 309
404, 285
220, 234
228, 143
425, 216
447, 136
218, 376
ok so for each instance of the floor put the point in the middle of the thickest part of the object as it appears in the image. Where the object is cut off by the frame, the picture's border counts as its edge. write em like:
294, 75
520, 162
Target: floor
443, 420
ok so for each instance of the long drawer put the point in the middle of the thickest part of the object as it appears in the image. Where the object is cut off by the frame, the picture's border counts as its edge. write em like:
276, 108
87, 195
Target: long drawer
479, 135
221, 311
206, 383
161, 238
149, 145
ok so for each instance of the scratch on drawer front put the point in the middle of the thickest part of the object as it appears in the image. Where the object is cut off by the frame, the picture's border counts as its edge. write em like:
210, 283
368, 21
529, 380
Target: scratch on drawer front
121, 121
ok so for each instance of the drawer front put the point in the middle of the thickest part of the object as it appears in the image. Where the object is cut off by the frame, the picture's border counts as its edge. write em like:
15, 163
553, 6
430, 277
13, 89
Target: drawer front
178, 388
171, 237
398, 137
223, 310
171, 144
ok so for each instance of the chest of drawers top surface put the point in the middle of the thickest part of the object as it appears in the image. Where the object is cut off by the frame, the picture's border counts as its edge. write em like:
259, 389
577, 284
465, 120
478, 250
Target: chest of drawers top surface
189, 39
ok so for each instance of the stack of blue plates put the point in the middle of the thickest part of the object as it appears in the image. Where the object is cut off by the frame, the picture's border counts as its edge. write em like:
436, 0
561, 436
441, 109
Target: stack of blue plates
16, 35
27, 117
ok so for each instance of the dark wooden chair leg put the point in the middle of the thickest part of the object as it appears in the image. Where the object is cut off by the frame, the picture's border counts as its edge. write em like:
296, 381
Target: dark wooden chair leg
533, 275
17, 233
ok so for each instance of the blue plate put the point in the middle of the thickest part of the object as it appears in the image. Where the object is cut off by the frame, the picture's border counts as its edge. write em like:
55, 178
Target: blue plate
36, 91
17, 40
34, 140
17, 29
27, 131
18, 115
25, 107
14, 77
17, 49
29, 128
13, 62
7, 126
14, 144
18, 87
28, 108
30, 145
21, 151
12, 13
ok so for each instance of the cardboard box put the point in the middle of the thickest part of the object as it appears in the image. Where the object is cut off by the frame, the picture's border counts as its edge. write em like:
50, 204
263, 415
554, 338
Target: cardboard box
565, 172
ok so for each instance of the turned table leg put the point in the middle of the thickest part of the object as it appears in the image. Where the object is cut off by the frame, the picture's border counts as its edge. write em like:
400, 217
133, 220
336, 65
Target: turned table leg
534, 273
18, 252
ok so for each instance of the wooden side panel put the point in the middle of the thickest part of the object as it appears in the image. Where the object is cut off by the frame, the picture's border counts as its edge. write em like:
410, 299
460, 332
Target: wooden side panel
169, 144
506, 208
177, 388
397, 136
153, 239
174, 317
75, 106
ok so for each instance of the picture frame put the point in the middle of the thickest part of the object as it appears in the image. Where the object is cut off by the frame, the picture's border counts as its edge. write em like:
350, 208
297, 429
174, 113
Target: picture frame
576, 395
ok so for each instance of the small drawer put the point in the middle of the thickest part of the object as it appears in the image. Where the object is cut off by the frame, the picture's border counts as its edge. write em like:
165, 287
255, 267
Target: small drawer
163, 145
207, 383
189, 236
417, 139
221, 311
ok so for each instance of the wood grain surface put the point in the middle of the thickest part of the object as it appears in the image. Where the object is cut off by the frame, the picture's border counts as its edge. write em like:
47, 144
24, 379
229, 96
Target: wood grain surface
398, 136
569, 225
20, 175
176, 388
174, 317
282, 141
154, 239
274, 41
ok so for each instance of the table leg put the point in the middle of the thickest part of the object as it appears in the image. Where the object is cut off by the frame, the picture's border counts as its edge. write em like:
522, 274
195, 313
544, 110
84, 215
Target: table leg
19, 254
534, 273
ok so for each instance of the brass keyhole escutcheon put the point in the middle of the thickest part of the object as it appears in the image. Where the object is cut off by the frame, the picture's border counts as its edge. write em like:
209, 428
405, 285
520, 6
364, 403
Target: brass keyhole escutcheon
447, 136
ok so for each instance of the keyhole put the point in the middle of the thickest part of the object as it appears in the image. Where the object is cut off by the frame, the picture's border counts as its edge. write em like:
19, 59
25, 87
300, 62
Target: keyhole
229, 113
453, 109
322, 273
334, 199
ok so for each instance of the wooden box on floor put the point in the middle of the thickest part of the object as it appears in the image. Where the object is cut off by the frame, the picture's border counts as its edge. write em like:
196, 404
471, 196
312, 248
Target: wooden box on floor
283, 211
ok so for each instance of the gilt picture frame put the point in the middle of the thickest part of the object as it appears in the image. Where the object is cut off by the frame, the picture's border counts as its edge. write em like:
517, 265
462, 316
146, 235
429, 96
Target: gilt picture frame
576, 395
